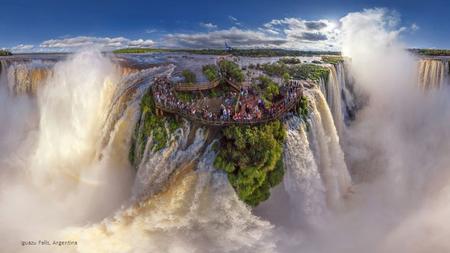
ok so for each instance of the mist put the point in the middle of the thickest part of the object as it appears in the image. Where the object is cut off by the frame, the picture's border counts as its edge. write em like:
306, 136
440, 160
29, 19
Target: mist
397, 149
51, 177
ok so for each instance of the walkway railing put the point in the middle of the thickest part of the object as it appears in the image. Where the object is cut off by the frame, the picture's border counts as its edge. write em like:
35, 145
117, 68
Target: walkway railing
218, 122
196, 86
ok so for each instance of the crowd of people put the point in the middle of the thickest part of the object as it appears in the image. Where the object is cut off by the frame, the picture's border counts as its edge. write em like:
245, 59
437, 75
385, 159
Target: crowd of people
246, 105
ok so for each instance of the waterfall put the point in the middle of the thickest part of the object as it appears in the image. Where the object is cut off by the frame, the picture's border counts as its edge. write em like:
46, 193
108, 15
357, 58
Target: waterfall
329, 157
55, 166
338, 95
433, 73
3, 72
77, 159
156, 168
25, 77
303, 181
199, 212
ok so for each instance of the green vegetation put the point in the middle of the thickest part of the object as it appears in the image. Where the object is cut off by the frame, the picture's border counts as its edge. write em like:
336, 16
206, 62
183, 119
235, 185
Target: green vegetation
211, 72
235, 52
268, 89
286, 77
231, 70
185, 96
189, 76
290, 60
299, 71
310, 71
332, 59
5, 52
303, 108
431, 52
150, 125
138, 50
251, 156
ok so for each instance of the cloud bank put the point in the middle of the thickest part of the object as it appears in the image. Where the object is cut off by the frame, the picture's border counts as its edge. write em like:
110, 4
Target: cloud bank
284, 33
76, 43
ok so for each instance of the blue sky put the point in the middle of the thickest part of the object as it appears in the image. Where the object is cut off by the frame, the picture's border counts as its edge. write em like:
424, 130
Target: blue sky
67, 25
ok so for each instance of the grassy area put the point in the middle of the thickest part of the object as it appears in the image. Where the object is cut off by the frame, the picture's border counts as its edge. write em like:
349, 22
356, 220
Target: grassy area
290, 60
5, 52
299, 71
236, 52
139, 50
431, 52
153, 126
189, 76
332, 59
251, 156
302, 109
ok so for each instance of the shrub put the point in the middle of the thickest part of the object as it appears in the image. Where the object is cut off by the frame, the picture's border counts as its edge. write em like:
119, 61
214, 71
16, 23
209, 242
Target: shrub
290, 60
5, 52
229, 69
332, 59
150, 125
211, 72
189, 76
251, 155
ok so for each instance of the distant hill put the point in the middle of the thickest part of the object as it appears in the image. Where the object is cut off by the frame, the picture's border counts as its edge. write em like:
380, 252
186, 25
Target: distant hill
236, 52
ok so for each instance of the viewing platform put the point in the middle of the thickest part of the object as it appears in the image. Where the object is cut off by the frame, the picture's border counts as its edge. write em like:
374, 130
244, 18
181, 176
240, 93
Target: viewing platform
166, 102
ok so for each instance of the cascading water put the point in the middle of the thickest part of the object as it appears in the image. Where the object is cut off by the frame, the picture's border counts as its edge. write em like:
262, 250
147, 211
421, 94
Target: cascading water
327, 150
433, 73
199, 212
54, 167
26, 77
76, 159
303, 181
338, 95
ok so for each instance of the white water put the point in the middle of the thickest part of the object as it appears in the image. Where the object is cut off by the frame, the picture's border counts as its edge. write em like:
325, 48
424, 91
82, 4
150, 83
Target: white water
51, 176
338, 96
200, 212
433, 74
327, 150
156, 168
303, 181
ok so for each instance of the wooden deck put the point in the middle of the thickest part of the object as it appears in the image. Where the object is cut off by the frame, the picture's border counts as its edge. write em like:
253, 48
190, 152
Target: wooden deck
290, 105
196, 86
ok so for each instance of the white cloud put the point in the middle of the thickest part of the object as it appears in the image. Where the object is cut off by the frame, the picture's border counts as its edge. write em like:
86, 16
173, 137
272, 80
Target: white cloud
287, 33
22, 48
208, 25
414, 27
234, 20
216, 39
106, 43
75, 43
152, 30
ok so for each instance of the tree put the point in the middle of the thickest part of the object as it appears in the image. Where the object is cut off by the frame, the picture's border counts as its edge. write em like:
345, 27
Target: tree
4, 52
211, 72
286, 77
269, 87
251, 158
229, 69
189, 76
